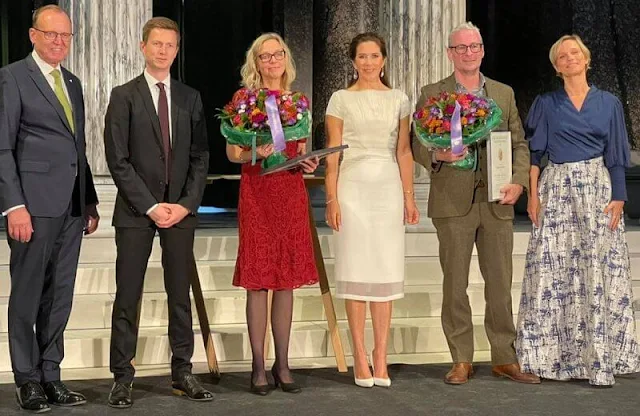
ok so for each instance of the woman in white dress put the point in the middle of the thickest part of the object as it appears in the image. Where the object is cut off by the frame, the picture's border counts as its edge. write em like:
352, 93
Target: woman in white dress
369, 199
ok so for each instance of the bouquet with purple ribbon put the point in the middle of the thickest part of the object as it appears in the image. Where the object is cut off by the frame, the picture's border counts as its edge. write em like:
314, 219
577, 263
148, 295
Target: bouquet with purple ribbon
257, 117
452, 121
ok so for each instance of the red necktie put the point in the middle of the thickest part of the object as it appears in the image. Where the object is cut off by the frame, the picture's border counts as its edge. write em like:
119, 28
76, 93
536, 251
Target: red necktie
163, 115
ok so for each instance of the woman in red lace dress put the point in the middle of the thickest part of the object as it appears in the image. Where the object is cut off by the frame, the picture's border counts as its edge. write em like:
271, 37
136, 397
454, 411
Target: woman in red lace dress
275, 250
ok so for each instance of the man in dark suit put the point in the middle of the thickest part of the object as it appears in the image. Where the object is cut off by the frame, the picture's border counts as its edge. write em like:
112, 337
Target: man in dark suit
463, 216
47, 197
157, 152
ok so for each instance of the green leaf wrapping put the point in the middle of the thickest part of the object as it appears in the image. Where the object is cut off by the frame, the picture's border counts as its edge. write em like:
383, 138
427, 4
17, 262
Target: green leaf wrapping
443, 141
253, 139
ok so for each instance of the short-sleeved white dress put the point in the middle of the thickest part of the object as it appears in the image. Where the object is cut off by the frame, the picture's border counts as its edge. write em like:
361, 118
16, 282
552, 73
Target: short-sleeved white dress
369, 248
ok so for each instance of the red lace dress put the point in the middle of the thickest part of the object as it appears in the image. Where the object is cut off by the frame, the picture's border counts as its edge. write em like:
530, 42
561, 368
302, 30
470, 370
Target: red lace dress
275, 248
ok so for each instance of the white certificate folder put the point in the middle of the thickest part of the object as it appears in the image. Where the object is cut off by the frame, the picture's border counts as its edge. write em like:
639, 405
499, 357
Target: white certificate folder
499, 163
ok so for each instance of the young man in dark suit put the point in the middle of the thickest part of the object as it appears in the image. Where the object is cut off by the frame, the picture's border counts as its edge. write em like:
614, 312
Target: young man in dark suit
157, 153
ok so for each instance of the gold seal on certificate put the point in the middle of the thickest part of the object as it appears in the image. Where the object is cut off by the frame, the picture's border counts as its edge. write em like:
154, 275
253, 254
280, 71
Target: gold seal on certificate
499, 163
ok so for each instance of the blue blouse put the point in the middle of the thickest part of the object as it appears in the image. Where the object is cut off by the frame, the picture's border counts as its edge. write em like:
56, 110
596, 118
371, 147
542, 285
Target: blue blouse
555, 127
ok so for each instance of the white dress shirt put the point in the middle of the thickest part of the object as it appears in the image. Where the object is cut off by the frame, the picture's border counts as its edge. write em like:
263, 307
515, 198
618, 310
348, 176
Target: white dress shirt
46, 71
155, 97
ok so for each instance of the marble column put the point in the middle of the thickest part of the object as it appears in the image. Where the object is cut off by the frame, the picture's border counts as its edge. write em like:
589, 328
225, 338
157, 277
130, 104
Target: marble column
336, 22
105, 53
416, 33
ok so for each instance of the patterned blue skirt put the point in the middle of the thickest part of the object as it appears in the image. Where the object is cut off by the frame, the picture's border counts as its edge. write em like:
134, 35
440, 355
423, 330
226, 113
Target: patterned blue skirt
576, 315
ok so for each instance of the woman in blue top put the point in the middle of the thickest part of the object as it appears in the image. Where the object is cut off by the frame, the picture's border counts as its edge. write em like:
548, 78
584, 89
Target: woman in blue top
576, 317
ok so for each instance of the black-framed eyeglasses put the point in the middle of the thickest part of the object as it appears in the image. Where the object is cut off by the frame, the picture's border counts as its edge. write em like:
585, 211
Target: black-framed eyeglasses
266, 57
50, 35
462, 49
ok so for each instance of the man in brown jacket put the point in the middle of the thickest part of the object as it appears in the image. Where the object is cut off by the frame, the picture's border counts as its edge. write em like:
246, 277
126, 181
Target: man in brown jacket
459, 207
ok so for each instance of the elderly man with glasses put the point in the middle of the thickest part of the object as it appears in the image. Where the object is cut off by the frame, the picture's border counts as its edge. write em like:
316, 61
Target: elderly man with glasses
463, 216
48, 198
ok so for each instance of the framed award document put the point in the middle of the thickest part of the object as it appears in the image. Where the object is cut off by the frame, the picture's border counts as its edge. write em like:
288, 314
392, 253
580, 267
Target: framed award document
499, 163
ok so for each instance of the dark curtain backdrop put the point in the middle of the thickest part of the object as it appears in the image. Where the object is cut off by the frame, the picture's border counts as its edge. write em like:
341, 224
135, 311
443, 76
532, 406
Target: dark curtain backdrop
15, 21
518, 35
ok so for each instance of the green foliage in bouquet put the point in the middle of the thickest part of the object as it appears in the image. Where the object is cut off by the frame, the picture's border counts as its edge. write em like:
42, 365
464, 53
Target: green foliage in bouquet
244, 121
478, 116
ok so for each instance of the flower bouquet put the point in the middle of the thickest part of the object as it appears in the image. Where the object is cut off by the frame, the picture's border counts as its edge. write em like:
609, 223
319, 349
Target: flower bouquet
257, 117
452, 120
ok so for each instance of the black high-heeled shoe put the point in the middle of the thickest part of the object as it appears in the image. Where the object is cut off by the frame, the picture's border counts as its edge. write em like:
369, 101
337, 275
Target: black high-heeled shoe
260, 389
286, 387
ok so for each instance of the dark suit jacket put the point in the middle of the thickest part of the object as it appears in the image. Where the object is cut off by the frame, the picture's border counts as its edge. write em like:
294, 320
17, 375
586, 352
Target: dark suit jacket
39, 155
451, 191
135, 156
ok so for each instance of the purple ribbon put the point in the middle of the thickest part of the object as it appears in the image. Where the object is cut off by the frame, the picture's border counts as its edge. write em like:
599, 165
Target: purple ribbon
275, 125
456, 131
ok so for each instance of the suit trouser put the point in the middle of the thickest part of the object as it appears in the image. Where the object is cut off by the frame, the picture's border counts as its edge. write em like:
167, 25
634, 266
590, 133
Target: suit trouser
43, 274
493, 238
133, 250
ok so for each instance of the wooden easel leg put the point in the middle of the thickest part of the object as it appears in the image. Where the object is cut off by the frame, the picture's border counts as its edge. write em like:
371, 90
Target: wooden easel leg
201, 308
334, 331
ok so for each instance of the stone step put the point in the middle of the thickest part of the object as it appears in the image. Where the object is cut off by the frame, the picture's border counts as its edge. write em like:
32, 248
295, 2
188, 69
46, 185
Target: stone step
222, 244
99, 278
228, 307
309, 340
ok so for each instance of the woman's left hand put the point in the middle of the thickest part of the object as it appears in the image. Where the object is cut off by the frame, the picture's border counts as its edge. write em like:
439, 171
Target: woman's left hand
411, 212
615, 210
309, 165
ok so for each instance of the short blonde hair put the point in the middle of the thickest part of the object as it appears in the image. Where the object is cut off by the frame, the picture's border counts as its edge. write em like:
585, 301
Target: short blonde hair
460, 28
553, 52
249, 72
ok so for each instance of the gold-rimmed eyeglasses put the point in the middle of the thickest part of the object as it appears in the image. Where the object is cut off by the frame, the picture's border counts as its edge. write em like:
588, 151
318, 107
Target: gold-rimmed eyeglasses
50, 35
462, 49
266, 57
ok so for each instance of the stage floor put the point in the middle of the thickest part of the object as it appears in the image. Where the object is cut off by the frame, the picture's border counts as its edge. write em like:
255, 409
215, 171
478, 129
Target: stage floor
416, 390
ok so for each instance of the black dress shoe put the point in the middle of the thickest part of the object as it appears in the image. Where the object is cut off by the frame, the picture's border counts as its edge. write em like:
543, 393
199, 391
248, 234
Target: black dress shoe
31, 397
120, 396
286, 387
59, 395
188, 385
259, 389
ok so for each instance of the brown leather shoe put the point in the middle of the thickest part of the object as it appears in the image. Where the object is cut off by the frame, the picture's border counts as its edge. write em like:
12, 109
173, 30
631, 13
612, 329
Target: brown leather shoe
512, 372
459, 373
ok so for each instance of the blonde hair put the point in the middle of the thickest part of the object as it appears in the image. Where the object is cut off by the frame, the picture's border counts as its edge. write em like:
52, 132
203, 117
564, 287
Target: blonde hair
553, 52
249, 72
460, 28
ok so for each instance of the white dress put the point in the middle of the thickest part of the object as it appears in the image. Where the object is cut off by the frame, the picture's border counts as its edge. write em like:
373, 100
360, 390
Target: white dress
369, 248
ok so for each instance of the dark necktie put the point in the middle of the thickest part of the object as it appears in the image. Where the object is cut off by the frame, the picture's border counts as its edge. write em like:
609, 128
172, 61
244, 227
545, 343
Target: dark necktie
163, 115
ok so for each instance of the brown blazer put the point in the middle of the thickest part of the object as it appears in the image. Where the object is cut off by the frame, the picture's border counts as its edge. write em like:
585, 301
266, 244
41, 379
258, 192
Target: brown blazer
451, 192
